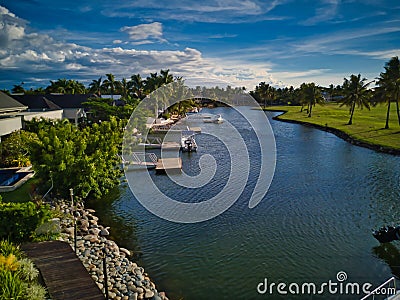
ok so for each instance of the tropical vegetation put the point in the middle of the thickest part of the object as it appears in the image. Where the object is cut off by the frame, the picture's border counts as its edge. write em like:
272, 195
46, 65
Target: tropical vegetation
18, 275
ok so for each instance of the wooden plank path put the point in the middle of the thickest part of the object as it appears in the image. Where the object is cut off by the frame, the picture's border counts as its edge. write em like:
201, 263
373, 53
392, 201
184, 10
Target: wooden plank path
63, 273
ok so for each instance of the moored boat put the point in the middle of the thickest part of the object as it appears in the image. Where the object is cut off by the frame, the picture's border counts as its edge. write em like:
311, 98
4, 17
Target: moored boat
387, 234
188, 143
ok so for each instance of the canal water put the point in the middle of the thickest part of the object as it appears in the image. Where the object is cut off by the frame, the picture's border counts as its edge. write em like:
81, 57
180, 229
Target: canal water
313, 226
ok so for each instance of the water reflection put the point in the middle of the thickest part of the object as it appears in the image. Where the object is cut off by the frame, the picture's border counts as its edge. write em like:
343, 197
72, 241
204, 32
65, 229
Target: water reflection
390, 255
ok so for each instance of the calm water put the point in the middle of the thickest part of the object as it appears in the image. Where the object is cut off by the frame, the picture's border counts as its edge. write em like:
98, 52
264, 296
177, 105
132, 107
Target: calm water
315, 220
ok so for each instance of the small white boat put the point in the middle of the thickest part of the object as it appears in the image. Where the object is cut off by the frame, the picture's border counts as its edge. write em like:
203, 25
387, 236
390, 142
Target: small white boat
217, 119
188, 143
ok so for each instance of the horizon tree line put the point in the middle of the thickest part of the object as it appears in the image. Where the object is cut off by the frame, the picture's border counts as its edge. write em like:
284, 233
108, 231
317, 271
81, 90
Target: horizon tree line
354, 92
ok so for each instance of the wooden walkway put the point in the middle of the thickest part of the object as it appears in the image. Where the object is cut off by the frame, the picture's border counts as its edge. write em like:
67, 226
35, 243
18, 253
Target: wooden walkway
63, 273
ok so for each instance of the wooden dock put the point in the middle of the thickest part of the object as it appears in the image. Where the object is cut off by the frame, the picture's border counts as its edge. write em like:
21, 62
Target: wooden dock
169, 164
63, 273
170, 146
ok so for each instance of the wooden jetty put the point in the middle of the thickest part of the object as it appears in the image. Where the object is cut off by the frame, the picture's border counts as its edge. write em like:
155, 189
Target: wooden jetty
169, 165
170, 146
62, 271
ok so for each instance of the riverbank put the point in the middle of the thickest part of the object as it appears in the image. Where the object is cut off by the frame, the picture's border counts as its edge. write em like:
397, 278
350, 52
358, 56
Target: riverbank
126, 280
367, 129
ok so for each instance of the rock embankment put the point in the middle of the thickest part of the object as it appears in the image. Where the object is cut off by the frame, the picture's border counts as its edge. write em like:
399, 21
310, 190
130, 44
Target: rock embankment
126, 280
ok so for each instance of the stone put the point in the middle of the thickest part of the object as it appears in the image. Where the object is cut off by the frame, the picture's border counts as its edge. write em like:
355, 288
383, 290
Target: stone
69, 230
94, 231
126, 251
149, 294
104, 232
134, 296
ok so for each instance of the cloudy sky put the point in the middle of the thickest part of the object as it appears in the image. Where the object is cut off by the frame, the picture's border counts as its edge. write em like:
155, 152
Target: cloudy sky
241, 42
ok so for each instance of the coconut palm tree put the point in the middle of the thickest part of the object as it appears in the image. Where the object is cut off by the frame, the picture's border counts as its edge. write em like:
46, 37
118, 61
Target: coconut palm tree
95, 87
385, 93
355, 92
110, 84
389, 86
137, 86
124, 88
166, 77
311, 95
18, 89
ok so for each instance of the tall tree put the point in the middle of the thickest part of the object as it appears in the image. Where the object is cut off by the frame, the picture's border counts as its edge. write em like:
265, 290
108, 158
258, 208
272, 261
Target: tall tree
18, 89
95, 87
110, 84
137, 86
311, 95
392, 82
356, 93
385, 93
84, 159
124, 89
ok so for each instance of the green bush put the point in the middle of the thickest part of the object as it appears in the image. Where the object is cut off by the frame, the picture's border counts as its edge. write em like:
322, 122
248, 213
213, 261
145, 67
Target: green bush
18, 275
12, 287
18, 221
7, 248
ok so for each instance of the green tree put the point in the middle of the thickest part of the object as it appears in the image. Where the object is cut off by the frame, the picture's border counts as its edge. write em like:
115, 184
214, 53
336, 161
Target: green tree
86, 160
137, 86
95, 87
14, 150
389, 86
110, 84
311, 95
356, 93
65, 86
18, 89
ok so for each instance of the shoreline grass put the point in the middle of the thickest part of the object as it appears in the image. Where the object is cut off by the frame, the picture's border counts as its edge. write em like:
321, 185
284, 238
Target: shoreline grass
367, 128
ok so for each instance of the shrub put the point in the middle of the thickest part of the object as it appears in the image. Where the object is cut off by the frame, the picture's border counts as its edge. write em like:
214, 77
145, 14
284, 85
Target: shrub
27, 270
18, 276
7, 248
11, 286
18, 221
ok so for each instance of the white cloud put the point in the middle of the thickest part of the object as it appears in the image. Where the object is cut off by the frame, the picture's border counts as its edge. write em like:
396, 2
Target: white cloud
35, 55
145, 33
222, 11
324, 13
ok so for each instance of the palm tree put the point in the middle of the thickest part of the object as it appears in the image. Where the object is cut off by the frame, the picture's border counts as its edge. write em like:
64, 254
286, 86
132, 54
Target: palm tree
355, 93
385, 93
95, 87
137, 86
110, 84
18, 89
124, 88
153, 82
389, 86
311, 95
166, 77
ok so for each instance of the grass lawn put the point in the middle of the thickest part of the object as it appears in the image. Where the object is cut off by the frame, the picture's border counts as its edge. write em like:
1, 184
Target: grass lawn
21, 194
368, 125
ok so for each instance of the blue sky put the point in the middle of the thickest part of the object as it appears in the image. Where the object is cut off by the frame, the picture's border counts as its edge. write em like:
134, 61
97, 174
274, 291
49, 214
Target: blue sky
241, 42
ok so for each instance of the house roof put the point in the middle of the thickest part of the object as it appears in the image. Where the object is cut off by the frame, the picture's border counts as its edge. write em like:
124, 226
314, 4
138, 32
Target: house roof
9, 104
53, 101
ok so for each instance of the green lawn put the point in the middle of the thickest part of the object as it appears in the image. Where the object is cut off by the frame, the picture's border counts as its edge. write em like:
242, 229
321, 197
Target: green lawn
368, 125
21, 194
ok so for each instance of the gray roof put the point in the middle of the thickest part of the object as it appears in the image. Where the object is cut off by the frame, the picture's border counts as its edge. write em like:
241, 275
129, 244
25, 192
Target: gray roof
9, 104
